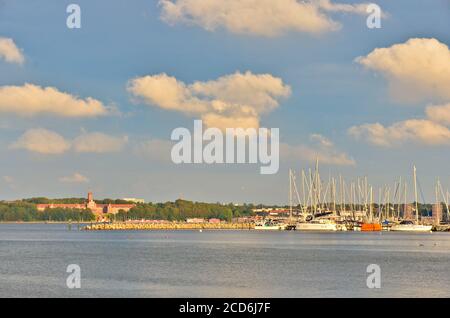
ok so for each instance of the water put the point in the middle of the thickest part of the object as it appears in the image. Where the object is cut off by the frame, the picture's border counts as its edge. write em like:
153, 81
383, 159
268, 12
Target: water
34, 258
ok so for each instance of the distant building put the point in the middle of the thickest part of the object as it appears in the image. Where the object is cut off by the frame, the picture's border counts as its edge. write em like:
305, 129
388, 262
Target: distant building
134, 200
262, 210
89, 204
437, 213
195, 220
244, 219
408, 211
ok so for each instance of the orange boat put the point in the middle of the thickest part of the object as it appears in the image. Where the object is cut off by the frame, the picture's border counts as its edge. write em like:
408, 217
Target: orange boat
370, 227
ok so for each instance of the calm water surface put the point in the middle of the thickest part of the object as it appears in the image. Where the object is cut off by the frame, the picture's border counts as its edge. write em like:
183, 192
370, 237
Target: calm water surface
34, 258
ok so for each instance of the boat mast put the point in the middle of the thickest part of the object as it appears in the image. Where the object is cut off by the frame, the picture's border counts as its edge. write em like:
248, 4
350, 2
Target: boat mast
406, 201
415, 194
303, 189
316, 186
334, 195
370, 205
399, 200
290, 195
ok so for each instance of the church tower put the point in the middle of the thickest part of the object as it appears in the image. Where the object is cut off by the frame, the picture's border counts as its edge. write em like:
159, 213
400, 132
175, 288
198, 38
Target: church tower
90, 197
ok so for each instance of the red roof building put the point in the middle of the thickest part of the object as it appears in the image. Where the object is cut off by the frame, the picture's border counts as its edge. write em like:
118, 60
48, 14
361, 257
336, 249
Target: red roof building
89, 204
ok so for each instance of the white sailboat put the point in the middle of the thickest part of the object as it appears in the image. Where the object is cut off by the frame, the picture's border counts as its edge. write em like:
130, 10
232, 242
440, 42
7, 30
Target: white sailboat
317, 225
269, 225
410, 226
311, 222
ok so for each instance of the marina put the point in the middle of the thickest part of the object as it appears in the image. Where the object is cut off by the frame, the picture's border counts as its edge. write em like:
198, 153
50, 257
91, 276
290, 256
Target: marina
322, 226
332, 206
339, 206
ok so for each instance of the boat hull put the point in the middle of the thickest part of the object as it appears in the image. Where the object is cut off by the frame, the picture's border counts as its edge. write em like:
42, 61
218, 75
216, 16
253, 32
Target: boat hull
411, 228
370, 227
268, 228
316, 227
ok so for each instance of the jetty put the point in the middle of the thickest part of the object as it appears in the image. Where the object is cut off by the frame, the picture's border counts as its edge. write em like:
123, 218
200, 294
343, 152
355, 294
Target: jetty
132, 226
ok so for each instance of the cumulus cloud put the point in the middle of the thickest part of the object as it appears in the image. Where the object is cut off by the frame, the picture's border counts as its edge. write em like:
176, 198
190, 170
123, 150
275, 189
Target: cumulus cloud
74, 178
30, 99
416, 70
42, 141
49, 142
10, 52
439, 113
319, 148
97, 142
413, 130
236, 100
154, 149
359, 8
257, 17
321, 140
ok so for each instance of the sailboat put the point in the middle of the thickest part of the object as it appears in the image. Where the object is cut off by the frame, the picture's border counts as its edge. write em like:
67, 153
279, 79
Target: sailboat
314, 221
370, 226
270, 225
317, 225
410, 226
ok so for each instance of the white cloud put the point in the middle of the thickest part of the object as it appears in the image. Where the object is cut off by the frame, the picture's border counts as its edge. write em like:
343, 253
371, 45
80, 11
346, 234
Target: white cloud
229, 101
322, 140
228, 121
416, 70
30, 99
412, 130
439, 113
154, 149
10, 52
327, 5
41, 141
49, 142
320, 148
257, 17
96, 142
75, 178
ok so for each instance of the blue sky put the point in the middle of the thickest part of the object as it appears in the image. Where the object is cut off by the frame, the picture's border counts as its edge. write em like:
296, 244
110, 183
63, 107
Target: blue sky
120, 41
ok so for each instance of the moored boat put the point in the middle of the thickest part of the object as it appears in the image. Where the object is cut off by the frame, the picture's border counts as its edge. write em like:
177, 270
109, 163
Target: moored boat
410, 226
270, 225
370, 227
316, 226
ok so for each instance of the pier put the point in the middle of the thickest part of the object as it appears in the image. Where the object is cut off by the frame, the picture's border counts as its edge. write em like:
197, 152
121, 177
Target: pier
146, 226
131, 226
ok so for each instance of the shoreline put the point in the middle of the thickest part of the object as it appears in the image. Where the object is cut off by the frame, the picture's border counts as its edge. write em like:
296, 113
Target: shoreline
146, 226
43, 222
121, 226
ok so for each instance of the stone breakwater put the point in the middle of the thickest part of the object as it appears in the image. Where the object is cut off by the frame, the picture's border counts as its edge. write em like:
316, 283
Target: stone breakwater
167, 226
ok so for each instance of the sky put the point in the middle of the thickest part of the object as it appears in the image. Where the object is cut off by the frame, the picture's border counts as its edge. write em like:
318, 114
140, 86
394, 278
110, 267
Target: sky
93, 108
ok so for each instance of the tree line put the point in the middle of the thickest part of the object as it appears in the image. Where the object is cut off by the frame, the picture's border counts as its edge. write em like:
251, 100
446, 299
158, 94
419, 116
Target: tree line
182, 209
25, 210
21, 211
